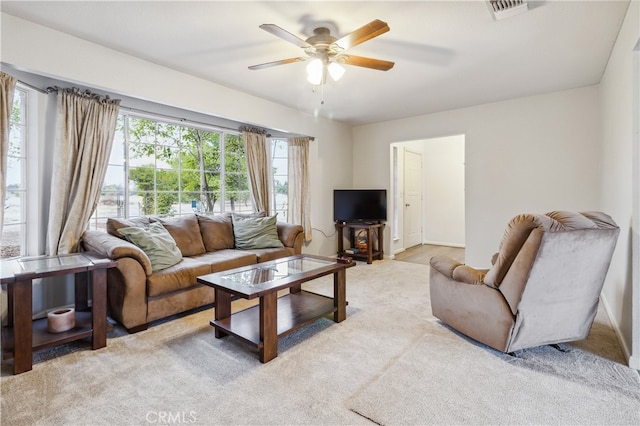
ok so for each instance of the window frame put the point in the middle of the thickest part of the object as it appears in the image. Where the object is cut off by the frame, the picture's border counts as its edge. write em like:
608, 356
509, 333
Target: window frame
23, 160
274, 192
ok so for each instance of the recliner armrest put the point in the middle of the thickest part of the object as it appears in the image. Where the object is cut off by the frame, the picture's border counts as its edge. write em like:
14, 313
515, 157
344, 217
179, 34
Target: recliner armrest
457, 271
444, 264
469, 275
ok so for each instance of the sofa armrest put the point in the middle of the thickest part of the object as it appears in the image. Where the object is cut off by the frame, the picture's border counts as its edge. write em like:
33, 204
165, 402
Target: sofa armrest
457, 271
291, 235
115, 248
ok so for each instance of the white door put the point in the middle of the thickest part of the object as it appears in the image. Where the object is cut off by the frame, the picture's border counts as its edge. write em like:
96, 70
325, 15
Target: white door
412, 199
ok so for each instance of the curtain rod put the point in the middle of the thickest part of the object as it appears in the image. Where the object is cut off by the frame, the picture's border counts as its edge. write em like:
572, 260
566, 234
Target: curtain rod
52, 89
30, 86
169, 117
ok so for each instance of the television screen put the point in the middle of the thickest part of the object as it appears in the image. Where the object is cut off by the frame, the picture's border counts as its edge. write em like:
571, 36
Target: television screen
359, 205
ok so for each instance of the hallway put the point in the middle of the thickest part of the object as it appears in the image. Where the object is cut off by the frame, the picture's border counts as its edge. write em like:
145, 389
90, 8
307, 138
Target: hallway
423, 253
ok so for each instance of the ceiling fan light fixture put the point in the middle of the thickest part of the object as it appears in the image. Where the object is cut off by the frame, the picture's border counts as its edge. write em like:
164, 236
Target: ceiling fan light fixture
315, 71
325, 52
336, 71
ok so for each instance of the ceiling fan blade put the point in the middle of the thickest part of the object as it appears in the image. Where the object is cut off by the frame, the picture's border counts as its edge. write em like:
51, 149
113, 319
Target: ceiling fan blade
362, 34
275, 63
361, 61
285, 35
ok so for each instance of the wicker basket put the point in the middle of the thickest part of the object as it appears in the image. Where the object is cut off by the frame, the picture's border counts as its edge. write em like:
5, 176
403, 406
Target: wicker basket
361, 241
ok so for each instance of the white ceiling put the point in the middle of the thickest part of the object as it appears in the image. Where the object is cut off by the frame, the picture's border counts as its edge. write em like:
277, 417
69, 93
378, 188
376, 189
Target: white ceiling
447, 54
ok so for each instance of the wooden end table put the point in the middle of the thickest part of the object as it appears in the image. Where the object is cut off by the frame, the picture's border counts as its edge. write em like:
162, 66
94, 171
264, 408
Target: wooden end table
23, 335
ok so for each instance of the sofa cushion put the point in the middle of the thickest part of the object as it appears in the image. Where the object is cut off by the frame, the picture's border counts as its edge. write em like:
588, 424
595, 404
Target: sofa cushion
178, 277
216, 231
222, 260
156, 242
267, 254
186, 231
255, 232
114, 224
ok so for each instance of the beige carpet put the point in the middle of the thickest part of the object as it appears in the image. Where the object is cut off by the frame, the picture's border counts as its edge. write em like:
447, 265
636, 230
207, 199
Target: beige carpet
390, 362
540, 386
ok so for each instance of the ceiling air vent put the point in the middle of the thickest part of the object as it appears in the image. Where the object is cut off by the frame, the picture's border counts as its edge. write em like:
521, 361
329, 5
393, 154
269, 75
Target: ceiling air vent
501, 9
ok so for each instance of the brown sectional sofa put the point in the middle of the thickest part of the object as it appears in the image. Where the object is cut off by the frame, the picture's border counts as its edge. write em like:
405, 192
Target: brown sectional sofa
137, 295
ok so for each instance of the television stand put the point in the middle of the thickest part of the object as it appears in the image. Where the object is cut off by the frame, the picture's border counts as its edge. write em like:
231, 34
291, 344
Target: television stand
372, 253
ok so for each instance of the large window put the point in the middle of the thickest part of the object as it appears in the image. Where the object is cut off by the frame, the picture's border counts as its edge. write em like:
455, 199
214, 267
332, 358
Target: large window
166, 169
279, 162
15, 219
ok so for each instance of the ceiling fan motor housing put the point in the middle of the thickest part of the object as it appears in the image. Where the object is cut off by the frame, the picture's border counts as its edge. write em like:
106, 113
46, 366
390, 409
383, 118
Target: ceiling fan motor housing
321, 38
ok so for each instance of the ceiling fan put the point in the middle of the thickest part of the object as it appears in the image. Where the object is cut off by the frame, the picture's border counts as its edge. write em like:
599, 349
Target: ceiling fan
326, 52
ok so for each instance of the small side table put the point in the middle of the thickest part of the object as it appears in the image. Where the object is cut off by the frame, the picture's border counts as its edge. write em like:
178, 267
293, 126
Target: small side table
370, 228
22, 335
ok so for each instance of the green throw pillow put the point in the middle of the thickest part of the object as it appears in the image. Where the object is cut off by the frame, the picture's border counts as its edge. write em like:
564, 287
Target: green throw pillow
255, 232
156, 242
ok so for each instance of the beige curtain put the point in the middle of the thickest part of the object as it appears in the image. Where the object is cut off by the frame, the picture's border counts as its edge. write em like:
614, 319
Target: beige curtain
299, 207
7, 88
256, 149
85, 127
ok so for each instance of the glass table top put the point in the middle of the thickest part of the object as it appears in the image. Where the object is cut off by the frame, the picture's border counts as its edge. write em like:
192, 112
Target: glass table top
53, 263
263, 274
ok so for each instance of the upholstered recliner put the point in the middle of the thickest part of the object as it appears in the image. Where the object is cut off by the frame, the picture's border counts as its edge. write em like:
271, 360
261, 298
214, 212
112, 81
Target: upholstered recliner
543, 288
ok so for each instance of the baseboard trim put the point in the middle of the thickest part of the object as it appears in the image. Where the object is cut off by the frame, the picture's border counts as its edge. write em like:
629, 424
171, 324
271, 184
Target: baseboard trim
440, 243
633, 362
398, 251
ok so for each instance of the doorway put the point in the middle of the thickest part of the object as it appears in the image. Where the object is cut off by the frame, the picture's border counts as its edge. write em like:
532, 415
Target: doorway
430, 173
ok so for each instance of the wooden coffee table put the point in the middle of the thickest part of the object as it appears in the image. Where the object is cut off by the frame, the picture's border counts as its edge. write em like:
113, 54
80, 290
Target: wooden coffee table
274, 316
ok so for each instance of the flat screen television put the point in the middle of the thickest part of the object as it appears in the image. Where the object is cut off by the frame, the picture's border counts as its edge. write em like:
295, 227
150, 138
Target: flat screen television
359, 205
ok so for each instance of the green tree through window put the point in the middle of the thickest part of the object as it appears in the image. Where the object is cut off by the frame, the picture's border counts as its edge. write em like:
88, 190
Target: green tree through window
172, 169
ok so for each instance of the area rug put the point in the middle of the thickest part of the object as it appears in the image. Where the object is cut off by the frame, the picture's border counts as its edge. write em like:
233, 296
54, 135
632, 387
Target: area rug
446, 378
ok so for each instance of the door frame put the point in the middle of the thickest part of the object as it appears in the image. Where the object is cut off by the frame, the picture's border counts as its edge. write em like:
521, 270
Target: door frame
395, 223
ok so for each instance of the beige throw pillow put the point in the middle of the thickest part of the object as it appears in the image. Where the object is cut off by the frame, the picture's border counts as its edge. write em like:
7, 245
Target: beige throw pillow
114, 224
255, 232
156, 242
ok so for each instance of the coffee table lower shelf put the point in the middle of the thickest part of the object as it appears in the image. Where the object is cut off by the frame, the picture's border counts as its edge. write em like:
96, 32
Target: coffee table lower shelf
295, 310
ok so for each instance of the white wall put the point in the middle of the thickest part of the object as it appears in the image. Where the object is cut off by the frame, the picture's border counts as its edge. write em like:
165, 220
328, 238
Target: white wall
443, 197
620, 182
39, 50
533, 154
